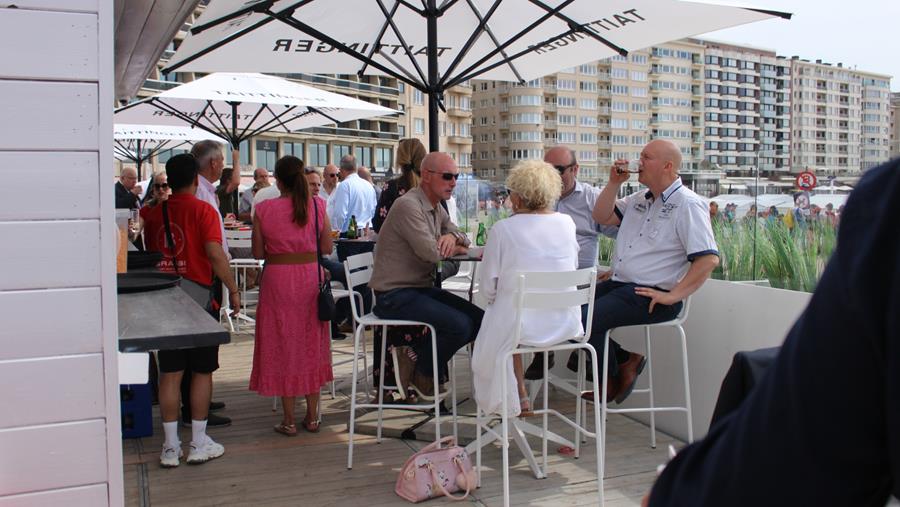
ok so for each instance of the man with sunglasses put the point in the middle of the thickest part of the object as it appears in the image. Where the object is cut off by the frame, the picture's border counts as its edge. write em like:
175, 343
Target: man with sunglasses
577, 200
415, 236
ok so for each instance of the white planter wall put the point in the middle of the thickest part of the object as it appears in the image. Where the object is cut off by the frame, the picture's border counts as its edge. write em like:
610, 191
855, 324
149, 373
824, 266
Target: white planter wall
725, 318
60, 435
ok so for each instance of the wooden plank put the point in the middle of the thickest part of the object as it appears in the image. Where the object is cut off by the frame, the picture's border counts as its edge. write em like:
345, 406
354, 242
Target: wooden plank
59, 5
32, 383
50, 116
74, 329
74, 196
38, 255
51, 457
85, 496
48, 45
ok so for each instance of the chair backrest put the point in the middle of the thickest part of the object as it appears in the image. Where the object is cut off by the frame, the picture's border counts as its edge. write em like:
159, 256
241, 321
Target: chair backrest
358, 270
556, 290
683, 314
238, 239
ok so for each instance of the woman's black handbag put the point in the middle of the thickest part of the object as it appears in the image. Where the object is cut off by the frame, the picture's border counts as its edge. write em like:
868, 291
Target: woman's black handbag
325, 299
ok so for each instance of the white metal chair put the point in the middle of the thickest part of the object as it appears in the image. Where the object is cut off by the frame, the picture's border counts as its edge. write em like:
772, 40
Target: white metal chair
678, 324
241, 268
359, 271
463, 283
550, 290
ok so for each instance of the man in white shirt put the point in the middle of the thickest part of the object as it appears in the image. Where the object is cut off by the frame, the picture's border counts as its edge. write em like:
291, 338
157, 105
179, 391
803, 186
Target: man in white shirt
665, 250
260, 181
330, 181
354, 197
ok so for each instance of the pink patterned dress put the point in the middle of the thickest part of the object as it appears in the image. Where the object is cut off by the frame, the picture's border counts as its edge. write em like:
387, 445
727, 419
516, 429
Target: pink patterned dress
291, 355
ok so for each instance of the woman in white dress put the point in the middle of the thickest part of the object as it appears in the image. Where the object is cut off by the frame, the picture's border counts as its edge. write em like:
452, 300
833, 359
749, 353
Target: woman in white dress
535, 238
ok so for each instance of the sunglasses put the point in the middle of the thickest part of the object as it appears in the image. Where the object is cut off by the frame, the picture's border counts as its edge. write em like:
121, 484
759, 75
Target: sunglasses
446, 176
160, 186
332, 175
563, 168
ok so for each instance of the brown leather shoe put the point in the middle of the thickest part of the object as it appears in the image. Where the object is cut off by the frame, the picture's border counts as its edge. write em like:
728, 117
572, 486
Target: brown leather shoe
612, 389
404, 366
628, 374
424, 385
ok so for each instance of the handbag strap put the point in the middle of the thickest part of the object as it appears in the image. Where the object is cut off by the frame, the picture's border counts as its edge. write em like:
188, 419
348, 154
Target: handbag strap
437, 482
318, 234
170, 241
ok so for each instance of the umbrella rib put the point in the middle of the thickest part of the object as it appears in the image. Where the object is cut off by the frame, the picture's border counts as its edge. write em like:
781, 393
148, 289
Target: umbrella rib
240, 33
406, 48
506, 44
412, 7
276, 118
475, 73
592, 32
257, 7
377, 41
446, 5
303, 27
167, 108
482, 27
319, 111
229, 135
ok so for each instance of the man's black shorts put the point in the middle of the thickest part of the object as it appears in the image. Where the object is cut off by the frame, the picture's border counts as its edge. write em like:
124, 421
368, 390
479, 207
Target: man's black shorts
197, 360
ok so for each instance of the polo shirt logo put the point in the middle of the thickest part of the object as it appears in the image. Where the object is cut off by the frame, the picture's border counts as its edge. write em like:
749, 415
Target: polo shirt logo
667, 210
640, 207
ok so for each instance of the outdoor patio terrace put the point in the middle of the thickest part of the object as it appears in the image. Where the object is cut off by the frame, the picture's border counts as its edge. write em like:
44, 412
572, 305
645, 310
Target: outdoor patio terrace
261, 467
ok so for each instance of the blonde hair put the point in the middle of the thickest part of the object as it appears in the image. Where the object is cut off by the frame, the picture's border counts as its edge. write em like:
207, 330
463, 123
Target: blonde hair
537, 183
410, 153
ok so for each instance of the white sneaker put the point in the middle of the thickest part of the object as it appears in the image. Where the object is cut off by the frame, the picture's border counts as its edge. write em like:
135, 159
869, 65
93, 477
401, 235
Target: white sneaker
170, 456
205, 451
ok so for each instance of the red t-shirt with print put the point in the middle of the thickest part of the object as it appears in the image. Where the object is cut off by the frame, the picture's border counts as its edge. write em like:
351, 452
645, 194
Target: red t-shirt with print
194, 223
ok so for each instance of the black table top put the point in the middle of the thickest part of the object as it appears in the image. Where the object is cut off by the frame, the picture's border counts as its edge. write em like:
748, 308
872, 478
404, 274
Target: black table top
164, 320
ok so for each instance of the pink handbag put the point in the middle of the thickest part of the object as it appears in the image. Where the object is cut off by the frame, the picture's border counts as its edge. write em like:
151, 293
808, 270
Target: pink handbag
436, 470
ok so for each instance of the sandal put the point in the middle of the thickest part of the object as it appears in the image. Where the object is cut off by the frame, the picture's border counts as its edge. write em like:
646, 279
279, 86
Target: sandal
311, 426
289, 430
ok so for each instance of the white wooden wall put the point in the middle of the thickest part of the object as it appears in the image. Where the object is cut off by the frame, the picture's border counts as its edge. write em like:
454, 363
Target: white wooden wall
60, 435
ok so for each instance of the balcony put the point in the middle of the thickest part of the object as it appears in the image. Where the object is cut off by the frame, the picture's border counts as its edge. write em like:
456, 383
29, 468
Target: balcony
459, 112
461, 89
459, 140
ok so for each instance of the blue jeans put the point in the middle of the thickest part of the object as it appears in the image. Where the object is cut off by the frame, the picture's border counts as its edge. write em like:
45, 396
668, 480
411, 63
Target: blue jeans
456, 321
616, 305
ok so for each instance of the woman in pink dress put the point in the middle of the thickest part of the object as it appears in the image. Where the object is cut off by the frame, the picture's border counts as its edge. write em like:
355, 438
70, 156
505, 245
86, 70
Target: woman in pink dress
291, 356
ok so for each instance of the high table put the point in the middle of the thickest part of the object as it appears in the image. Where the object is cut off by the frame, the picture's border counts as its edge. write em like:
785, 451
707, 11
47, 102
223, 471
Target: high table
165, 319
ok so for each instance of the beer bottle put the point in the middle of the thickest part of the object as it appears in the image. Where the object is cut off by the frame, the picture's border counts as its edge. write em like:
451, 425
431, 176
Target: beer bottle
481, 237
352, 232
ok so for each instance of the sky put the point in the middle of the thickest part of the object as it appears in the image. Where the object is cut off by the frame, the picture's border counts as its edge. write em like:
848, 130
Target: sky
860, 33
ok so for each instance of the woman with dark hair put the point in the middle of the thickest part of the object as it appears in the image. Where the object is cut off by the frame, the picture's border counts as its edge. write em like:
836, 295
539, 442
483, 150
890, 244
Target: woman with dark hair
291, 355
410, 153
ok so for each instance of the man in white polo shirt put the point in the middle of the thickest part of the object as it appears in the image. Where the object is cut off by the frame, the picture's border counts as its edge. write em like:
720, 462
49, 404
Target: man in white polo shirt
665, 250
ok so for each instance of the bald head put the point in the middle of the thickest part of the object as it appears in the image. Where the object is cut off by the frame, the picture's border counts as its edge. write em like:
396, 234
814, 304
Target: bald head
364, 173
439, 173
330, 177
667, 151
660, 162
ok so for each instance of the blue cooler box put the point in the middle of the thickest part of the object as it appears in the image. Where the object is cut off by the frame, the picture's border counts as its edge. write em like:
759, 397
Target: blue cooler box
137, 412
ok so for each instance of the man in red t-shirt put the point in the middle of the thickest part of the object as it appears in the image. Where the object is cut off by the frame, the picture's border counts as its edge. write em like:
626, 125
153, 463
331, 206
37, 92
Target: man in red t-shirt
194, 251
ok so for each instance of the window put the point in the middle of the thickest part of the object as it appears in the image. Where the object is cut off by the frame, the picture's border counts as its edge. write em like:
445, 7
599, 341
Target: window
639, 107
363, 156
618, 73
401, 131
565, 137
566, 119
619, 107
638, 91
638, 75
618, 89
588, 121
318, 154
566, 84
419, 126
522, 118
639, 124
563, 101
587, 86
590, 104
338, 151
418, 97
266, 154
618, 123
618, 139
588, 69
588, 138
525, 100
641, 59
294, 148
384, 158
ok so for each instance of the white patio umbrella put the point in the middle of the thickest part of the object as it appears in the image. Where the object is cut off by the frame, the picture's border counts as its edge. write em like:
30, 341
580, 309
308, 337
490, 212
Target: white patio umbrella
139, 143
236, 107
434, 45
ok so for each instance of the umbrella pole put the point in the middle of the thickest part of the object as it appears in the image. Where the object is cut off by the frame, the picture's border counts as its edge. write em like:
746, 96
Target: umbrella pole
236, 145
434, 143
139, 159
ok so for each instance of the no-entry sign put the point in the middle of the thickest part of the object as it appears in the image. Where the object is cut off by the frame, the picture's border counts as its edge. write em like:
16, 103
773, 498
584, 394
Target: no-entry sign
806, 180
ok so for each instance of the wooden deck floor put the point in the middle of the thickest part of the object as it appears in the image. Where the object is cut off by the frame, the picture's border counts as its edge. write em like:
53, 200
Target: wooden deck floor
261, 467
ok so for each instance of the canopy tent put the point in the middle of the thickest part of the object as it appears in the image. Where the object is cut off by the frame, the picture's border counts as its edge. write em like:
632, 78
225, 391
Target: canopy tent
138, 143
512, 40
236, 107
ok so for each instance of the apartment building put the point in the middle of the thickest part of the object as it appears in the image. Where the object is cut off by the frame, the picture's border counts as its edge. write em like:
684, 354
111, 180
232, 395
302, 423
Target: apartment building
840, 118
746, 97
455, 124
895, 125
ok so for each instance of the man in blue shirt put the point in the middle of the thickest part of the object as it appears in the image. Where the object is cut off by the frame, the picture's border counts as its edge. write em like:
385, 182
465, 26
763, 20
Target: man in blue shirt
353, 197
